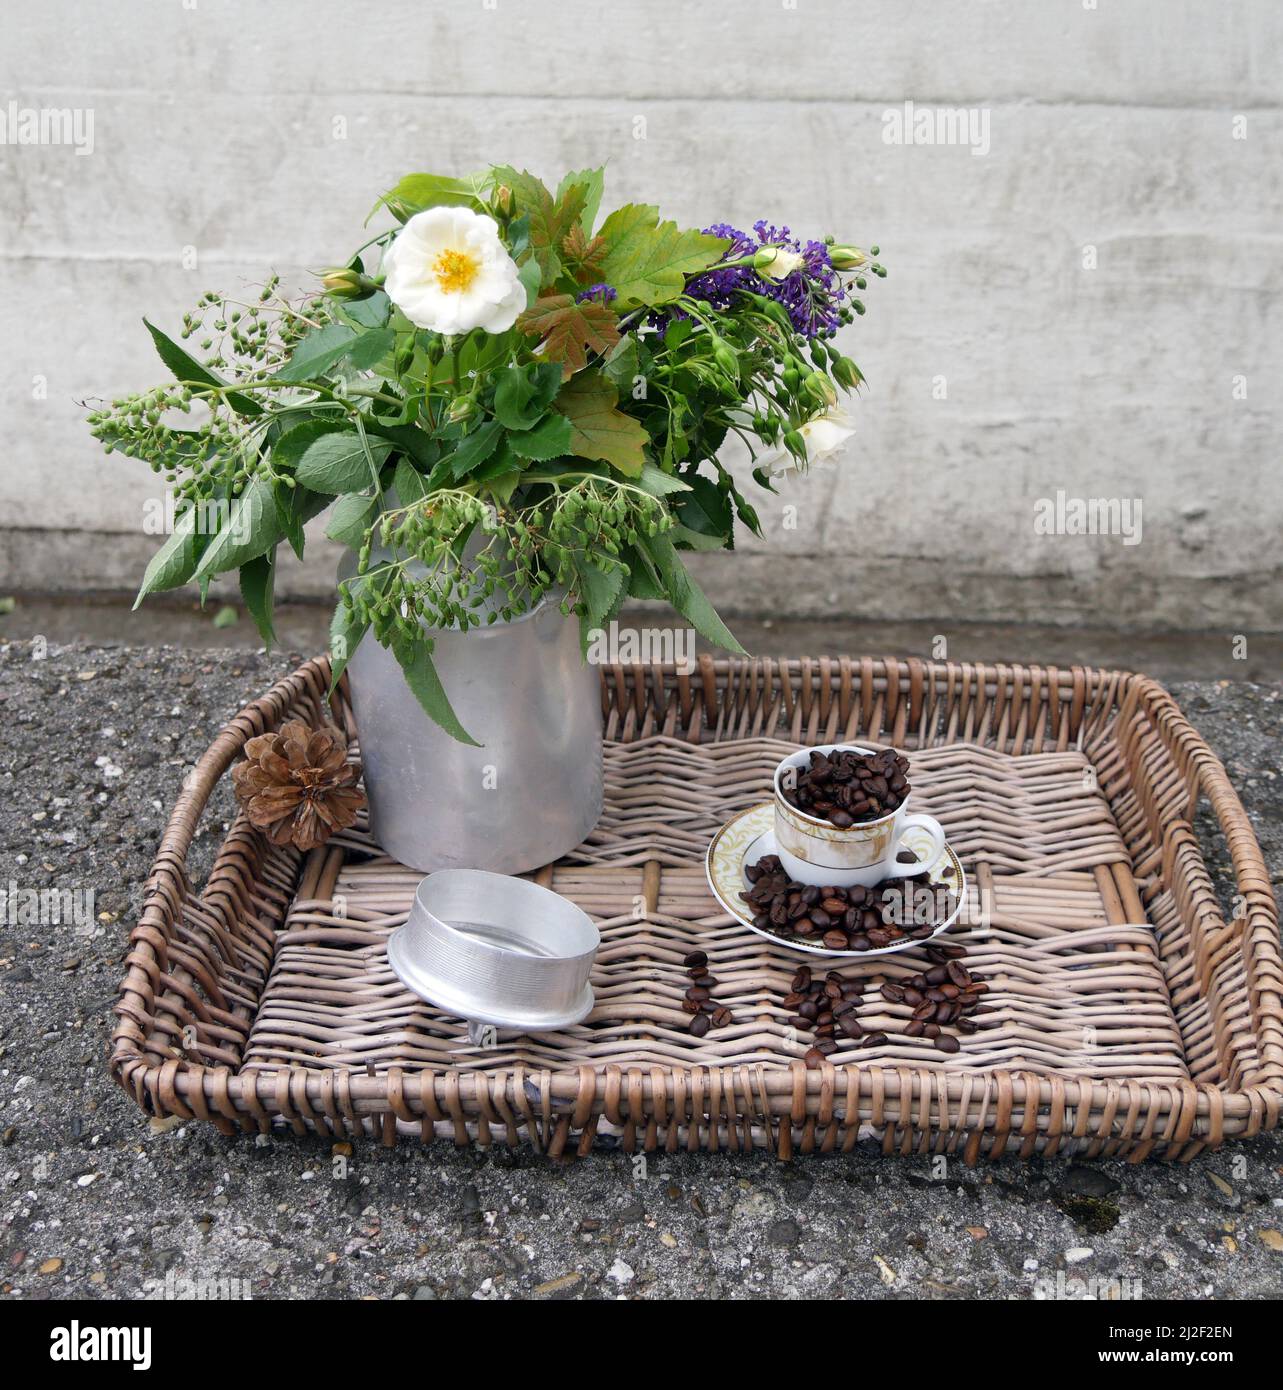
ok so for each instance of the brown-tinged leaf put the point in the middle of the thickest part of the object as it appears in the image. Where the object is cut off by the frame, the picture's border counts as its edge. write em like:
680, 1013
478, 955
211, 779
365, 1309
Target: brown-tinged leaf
584, 257
569, 331
550, 218
597, 429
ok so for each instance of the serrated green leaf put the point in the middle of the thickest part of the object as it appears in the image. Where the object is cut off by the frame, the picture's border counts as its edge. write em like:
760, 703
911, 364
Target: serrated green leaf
351, 518
646, 260
410, 484
417, 192
174, 564
600, 590
414, 656
189, 372
251, 530
258, 584
598, 429
658, 483
687, 597
317, 352
371, 312
475, 448
549, 439
340, 461
346, 631
371, 348
523, 394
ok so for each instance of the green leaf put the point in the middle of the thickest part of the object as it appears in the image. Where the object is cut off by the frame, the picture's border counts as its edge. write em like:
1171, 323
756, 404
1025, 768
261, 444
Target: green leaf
660, 484
372, 312
295, 507
175, 562
505, 485
475, 448
251, 530
225, 617
371, 348
346, 631
523, 394
409, 439
706, 509
531, 277
549, 439
686, 596
189, 372
340, 461
598, 429
415, 192
601, 590
643, 581
414, 656
646, 260
351, 518
317, 352
410, 485
568, 331
592, 182
258, 584
696, 540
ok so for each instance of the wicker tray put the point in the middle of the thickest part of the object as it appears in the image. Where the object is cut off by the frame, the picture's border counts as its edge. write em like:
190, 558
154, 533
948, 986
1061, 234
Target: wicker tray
1130, 1017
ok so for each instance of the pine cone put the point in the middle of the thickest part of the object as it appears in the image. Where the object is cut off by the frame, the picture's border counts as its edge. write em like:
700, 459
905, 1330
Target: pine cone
297, 785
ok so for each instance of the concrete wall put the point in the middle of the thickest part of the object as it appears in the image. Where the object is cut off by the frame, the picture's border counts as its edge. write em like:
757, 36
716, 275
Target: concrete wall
1001, 369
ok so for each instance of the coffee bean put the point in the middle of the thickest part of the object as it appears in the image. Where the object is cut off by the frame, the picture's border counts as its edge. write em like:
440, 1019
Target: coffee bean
695, 958
835, 940
966, 1025
946, 1042
814, 1059
792, 1000
937, 975
690, 1006
700, 1024
914, 1028
894, 993
835, 907
957, 973
874, 1040
906, 856
803, 977
850, 1025
697, 992
911, 996
826, 1046
721, 1016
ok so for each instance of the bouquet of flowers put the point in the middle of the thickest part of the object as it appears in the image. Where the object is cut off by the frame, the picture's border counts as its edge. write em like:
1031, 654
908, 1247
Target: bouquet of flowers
500, 399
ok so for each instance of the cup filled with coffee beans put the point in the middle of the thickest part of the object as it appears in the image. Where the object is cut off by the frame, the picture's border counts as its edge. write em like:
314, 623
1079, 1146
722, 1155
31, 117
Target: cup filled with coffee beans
841, 816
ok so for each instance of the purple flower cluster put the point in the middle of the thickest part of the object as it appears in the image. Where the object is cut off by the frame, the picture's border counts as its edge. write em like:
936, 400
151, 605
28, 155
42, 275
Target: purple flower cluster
603, 294
812, 295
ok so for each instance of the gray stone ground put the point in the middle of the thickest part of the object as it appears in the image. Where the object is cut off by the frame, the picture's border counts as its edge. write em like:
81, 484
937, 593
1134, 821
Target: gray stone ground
95, 1202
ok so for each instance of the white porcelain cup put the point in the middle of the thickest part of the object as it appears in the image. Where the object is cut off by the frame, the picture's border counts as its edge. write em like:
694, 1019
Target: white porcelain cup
813, 851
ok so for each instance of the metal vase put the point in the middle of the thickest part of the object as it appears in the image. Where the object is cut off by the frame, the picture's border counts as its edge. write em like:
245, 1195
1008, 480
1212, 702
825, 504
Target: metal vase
530, 793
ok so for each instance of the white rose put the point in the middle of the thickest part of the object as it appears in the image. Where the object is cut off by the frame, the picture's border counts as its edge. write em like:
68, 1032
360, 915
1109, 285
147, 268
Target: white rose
448, 271
823, 436
780, 265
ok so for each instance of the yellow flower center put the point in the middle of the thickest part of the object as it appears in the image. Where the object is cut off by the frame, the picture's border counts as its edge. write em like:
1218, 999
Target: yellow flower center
455, 271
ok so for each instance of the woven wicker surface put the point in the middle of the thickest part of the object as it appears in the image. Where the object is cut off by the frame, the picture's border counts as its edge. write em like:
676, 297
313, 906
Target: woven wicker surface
1126, 1014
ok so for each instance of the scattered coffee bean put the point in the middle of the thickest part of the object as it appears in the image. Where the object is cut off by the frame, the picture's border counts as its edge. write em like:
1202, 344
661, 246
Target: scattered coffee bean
695, 958
700, 1024
946, 1042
